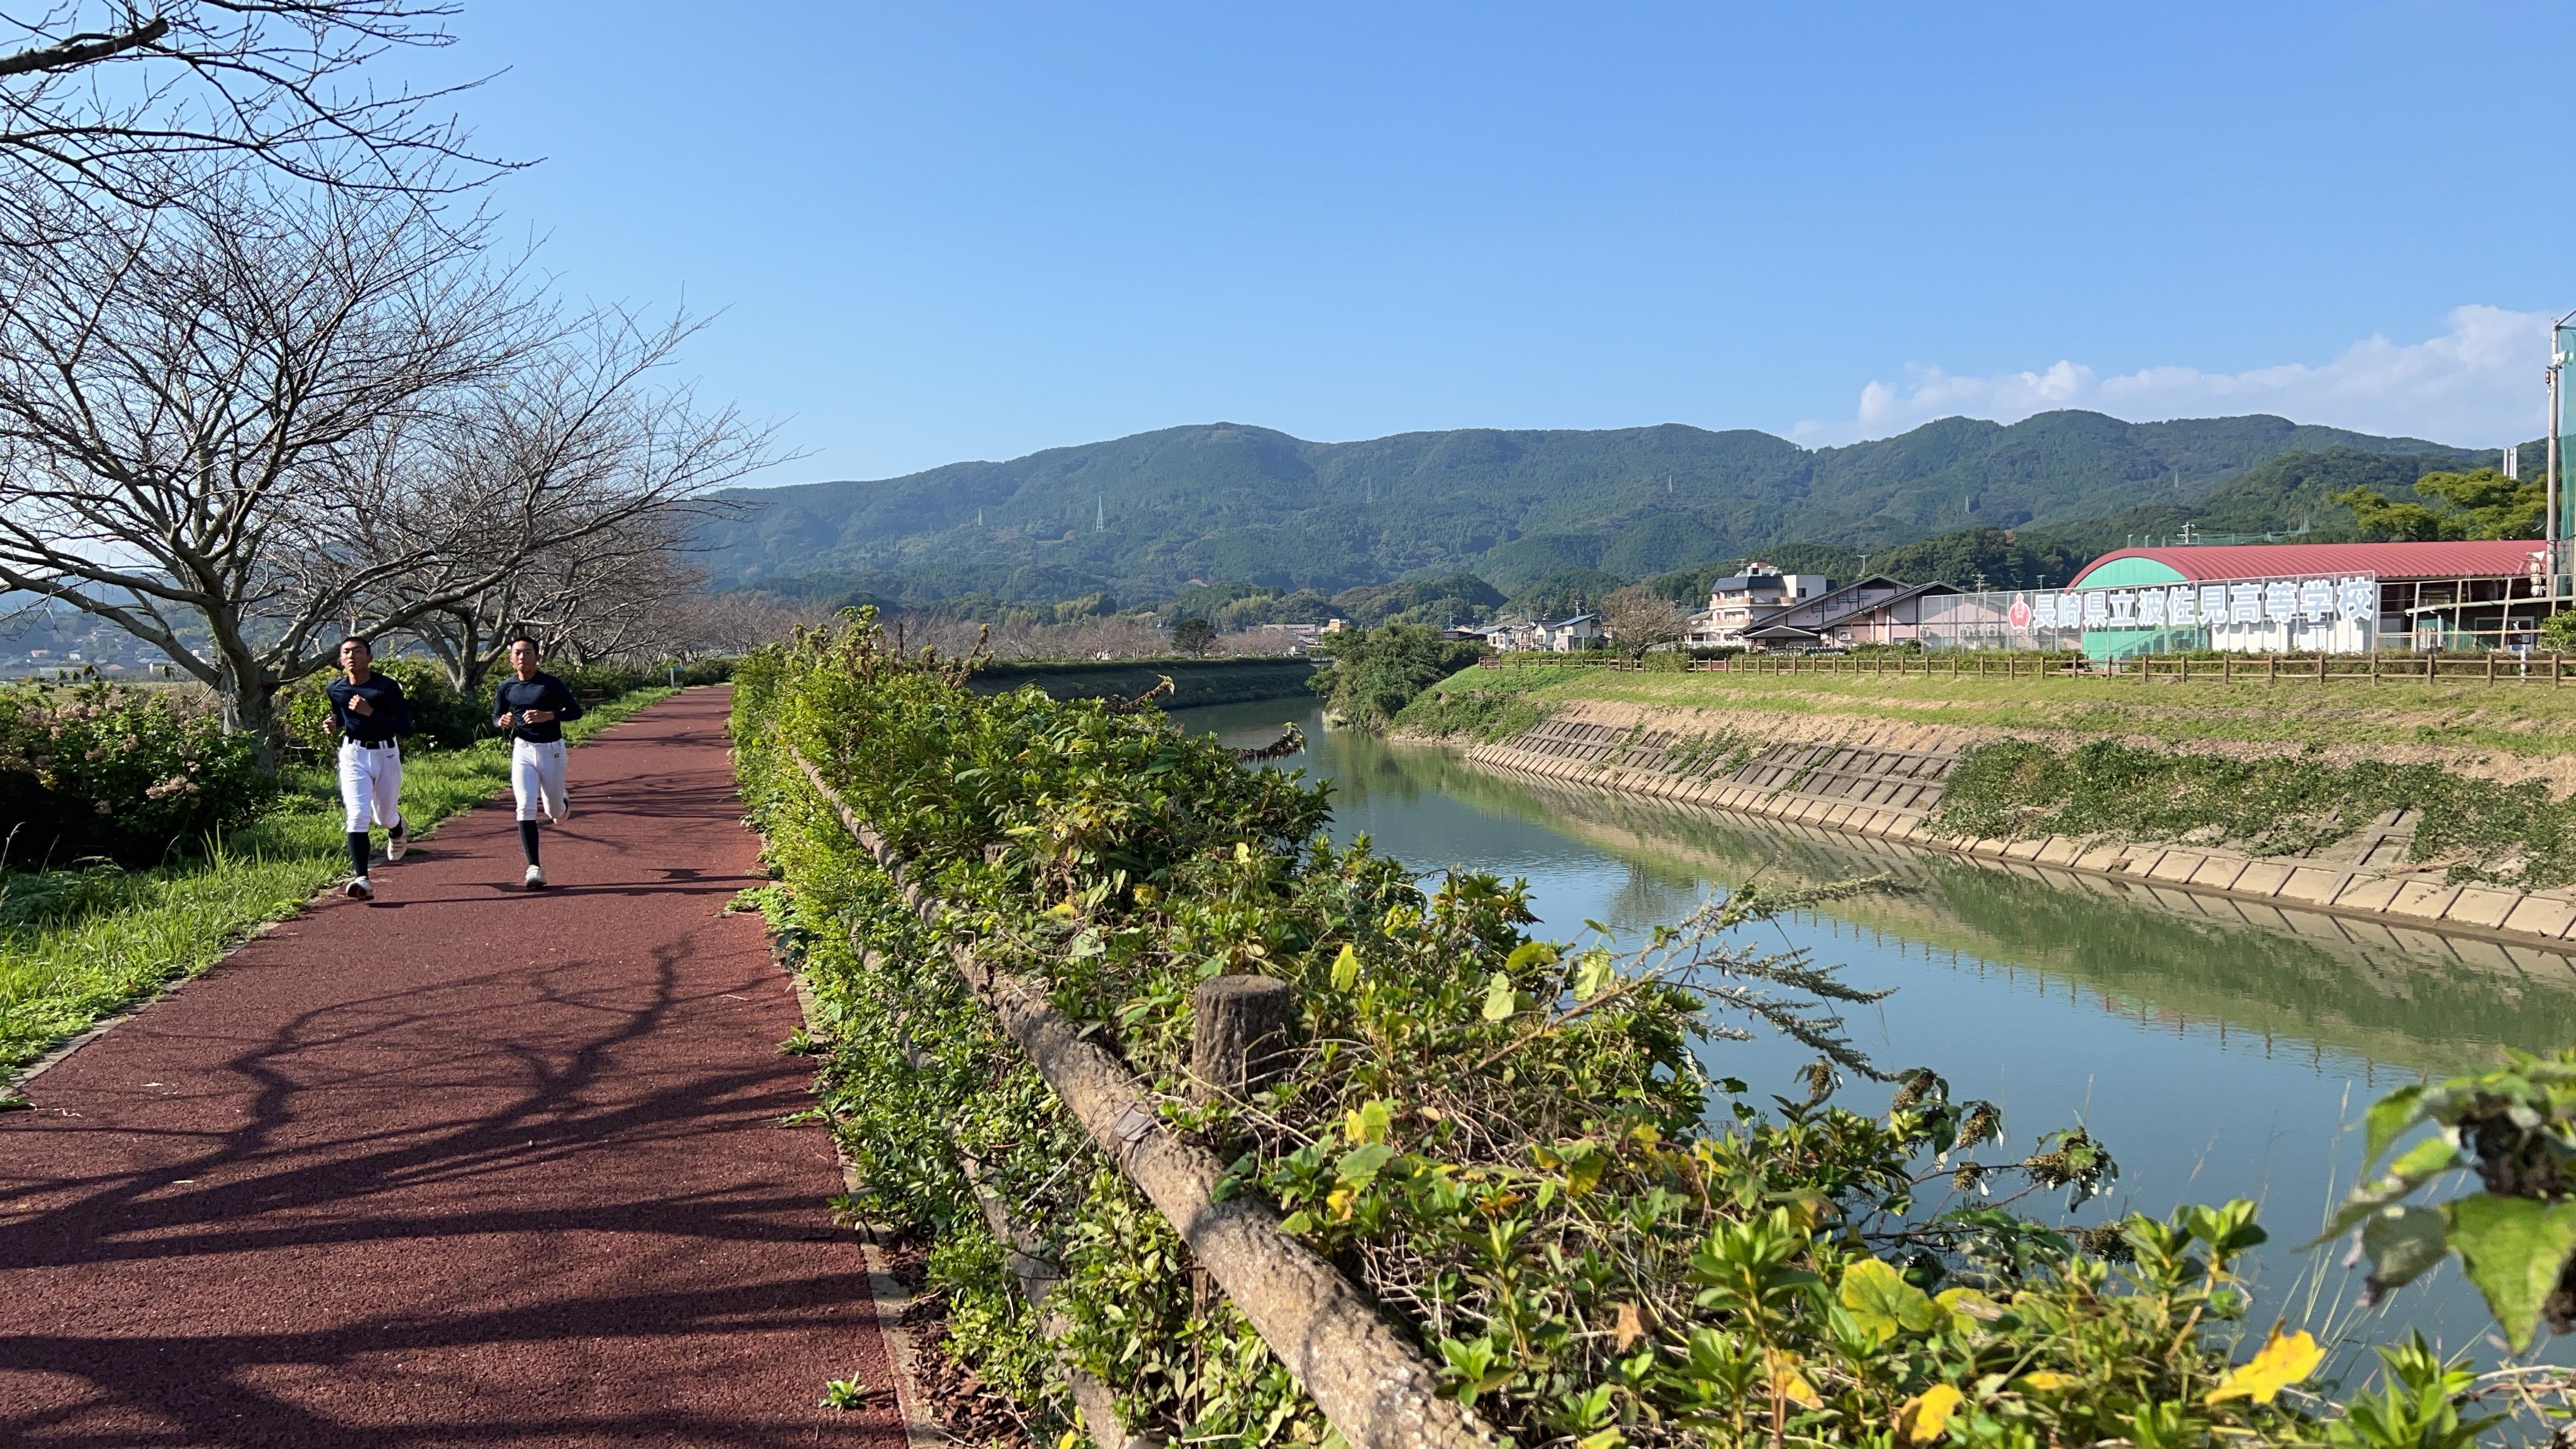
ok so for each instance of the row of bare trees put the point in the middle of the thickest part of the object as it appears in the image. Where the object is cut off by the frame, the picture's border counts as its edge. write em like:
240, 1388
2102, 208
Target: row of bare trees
266, 377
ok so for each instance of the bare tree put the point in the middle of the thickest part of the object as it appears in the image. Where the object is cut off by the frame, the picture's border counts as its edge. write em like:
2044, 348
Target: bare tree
1639, 619
236, 428
565, 505
96, 97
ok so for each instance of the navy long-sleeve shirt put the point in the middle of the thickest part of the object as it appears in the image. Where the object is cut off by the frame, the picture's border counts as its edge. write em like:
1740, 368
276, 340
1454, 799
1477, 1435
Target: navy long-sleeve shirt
542, 692
392, 717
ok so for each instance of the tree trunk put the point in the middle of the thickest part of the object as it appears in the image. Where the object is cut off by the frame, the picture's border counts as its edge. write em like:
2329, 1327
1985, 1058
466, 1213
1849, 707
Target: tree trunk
251, 706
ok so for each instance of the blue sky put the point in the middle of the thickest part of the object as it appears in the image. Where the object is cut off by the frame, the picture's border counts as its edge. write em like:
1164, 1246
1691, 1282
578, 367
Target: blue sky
944, 232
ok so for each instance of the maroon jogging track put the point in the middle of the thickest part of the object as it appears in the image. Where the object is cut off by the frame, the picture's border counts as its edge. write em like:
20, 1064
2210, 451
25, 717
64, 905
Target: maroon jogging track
463, 1165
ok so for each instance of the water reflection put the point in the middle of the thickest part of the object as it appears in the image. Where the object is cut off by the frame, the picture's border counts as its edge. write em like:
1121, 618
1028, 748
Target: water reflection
2219, 1056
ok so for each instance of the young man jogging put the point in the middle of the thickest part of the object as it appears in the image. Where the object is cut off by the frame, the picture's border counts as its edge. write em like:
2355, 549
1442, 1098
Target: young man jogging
369, 713
533, 706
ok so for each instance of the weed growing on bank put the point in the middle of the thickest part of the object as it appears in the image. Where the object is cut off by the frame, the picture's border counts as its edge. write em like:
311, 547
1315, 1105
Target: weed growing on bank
79, 945
1510, 1143
1486, 706
2019, 789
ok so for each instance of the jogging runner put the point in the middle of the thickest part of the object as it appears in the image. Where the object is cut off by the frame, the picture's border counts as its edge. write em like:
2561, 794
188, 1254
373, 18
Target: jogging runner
532, 706
369, 713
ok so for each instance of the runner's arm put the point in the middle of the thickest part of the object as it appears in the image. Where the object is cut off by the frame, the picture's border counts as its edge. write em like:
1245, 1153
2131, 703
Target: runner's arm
566, 707
395, 709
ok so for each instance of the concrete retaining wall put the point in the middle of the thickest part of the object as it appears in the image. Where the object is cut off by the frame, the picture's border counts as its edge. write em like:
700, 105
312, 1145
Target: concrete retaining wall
1865, 789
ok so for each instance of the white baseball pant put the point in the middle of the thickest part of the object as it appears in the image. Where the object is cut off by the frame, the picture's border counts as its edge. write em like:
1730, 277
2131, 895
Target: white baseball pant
370, 784
537, 779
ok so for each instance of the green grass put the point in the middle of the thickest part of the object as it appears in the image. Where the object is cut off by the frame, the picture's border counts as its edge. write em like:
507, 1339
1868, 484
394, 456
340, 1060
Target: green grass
77, 946
2509, 718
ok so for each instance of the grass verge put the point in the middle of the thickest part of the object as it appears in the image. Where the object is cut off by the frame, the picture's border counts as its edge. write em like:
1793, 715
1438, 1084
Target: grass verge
2530, 720
78, 945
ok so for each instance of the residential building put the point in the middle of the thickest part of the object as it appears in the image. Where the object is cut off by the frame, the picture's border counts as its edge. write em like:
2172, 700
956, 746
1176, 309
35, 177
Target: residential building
1755, 596
1874, 610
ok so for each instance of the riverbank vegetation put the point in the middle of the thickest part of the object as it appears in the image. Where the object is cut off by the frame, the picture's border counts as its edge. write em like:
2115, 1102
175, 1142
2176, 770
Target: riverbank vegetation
2511, 718
1514, 1144
2512, 835
84, 939
1374, 673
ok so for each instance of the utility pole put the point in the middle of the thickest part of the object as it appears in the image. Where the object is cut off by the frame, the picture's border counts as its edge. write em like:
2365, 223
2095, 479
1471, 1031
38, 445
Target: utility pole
2556, 533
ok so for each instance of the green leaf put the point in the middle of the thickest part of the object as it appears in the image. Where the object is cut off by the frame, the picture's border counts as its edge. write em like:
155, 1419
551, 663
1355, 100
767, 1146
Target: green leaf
1593, 972
1500, 1000
1530, 955
1346, 969
2427, 1159
1359, 1166
2388, 1118
2403, 1243
1883, 1303
2513, 1248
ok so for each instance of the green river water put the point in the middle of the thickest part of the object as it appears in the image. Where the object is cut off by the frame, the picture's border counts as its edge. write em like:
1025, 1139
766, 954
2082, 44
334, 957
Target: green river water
2215, 1061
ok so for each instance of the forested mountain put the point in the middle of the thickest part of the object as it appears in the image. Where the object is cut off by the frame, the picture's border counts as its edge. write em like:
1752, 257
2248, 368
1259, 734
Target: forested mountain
1143, 517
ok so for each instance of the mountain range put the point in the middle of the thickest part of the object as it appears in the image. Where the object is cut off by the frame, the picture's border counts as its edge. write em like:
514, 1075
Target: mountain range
1143, 517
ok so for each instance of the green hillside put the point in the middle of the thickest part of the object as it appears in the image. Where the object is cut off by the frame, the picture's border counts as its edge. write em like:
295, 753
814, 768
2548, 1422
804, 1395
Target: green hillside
1145, 516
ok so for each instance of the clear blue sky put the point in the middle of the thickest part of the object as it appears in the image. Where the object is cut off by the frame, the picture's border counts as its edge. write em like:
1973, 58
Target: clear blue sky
941, 232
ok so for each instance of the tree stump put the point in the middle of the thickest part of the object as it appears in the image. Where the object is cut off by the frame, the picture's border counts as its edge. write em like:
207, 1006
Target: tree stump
1243, 1029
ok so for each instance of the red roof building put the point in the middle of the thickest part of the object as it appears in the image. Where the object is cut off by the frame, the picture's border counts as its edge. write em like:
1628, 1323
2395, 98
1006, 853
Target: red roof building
2475, 559
2264, 597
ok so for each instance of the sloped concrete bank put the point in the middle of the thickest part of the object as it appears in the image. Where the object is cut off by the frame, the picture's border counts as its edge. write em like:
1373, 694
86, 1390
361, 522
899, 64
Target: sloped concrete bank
1885, 783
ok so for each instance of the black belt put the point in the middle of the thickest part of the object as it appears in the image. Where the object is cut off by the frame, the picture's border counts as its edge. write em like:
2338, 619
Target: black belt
371, 744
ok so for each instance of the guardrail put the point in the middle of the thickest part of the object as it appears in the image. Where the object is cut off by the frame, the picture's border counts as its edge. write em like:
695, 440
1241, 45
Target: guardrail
1375, 1388
2497, 667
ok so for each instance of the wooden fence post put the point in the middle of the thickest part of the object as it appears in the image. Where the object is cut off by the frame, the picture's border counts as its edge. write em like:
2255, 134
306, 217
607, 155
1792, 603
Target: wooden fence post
2227, 669
2491, 654
2271, 668
1241, 1031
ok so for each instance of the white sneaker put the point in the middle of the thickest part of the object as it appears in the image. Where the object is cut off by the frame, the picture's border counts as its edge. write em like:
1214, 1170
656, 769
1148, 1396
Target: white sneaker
358, 890
536, 879
560, 818
395, 845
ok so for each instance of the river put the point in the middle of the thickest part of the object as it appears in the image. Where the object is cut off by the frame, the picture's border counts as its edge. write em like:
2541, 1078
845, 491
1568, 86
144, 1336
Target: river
2214, 1061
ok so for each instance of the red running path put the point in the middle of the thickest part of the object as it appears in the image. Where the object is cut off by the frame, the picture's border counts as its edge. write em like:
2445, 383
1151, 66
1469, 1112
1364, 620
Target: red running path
464, 1165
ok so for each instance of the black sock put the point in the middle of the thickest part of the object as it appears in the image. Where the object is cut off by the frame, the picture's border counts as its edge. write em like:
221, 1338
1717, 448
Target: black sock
397, 830
528, 839
358, 852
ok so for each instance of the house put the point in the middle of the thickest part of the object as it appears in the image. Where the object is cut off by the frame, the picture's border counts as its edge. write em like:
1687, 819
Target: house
1755, 596
1511, 636
1583, 631
1874, 610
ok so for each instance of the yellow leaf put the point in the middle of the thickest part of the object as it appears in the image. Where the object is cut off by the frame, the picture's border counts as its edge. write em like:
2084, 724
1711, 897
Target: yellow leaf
1781, 1366
1346, 969
1967, 1308
1338, 1203
1367, 1125
2048, 1382
2282, 1361
1926, 1416
1631, 1326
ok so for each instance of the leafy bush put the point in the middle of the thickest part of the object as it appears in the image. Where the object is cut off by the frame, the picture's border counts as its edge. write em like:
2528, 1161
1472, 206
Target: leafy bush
1377, 672
131, 775
1507, 1141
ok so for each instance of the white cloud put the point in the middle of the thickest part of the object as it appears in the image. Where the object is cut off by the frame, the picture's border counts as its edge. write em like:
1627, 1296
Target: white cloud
2476, 385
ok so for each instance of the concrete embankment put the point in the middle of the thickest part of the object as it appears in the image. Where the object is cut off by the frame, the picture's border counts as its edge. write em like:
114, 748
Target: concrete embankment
1194, 681
1886, 781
